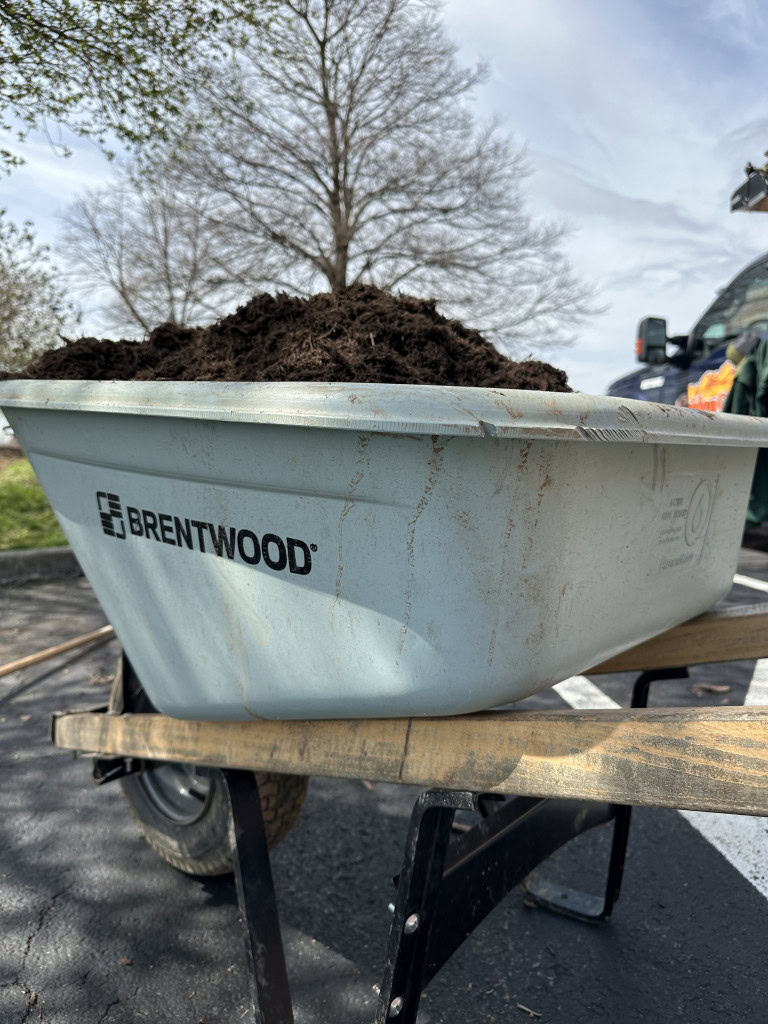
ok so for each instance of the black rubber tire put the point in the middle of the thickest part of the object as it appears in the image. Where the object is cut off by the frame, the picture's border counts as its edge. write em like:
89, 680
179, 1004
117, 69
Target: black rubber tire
206, 845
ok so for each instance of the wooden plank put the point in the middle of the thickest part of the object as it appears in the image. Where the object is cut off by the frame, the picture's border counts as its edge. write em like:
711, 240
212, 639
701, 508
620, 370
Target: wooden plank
728, 635
50, 652
713, 759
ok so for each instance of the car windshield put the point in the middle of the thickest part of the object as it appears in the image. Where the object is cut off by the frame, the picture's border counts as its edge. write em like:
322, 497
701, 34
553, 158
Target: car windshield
740, 307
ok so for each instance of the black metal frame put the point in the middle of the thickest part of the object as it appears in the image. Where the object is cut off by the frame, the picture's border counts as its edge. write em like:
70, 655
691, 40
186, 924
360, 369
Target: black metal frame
267, 974
580, 905
445, 888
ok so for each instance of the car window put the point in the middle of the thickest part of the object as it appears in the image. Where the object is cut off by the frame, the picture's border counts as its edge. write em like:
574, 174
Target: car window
715, 332
740, 307
708, 339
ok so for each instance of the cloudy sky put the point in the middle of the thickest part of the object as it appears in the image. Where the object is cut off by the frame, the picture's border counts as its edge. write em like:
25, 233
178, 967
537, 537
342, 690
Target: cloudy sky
638, 118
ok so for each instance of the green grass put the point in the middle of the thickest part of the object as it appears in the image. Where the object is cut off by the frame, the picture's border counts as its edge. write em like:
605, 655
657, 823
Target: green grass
26, 518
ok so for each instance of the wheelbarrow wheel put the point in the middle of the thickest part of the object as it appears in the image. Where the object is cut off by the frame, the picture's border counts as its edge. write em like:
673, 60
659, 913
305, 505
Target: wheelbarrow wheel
182, 809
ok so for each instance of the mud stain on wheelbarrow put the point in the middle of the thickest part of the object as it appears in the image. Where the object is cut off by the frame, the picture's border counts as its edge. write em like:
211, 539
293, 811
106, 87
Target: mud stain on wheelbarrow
361, 464
435, 465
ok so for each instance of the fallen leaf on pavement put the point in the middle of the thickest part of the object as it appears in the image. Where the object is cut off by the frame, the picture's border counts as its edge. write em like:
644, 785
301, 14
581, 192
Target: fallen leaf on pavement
699, 689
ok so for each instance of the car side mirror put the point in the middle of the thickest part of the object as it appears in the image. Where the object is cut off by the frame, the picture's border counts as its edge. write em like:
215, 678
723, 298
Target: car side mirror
652, 340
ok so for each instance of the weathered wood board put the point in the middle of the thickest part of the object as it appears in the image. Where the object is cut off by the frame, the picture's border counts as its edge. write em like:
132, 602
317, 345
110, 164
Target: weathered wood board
712, 759
728, 635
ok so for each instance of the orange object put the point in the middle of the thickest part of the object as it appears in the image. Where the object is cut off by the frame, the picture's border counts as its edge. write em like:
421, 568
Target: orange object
710, 391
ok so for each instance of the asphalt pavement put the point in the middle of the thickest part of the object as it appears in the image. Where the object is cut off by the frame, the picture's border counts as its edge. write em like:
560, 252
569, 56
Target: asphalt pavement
95, 928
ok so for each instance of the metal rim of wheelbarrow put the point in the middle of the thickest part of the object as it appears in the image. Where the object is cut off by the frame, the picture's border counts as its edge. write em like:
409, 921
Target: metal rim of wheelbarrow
181, 793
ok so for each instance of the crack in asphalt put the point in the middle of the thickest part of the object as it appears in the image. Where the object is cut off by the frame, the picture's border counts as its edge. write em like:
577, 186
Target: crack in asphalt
31, 1002
116, 1002
103, 1017
29, 992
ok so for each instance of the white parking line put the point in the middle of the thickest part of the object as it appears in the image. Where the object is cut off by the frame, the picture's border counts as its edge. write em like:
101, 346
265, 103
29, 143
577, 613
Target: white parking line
758, 688
582, 694
750, 581
742, 840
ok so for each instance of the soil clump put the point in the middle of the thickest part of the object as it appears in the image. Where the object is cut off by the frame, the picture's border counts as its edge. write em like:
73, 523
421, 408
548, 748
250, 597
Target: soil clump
360, 335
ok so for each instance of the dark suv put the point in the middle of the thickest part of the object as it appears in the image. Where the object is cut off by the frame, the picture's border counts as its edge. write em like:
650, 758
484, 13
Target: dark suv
693, 369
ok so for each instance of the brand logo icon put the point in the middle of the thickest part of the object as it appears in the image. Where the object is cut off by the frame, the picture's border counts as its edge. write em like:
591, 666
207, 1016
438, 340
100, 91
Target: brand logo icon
111, 513
276, 552
697, 519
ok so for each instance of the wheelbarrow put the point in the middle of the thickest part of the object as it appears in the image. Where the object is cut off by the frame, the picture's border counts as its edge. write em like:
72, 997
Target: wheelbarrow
365, 563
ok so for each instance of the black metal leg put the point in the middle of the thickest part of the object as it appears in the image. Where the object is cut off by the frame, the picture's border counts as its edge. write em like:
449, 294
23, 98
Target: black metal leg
640, 692
445, 891
267, 975
643, 683
419, 883
619, 840
582, 906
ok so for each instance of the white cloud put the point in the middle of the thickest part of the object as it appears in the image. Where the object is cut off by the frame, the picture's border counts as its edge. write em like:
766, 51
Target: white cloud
639, 118
740, 22
48, 181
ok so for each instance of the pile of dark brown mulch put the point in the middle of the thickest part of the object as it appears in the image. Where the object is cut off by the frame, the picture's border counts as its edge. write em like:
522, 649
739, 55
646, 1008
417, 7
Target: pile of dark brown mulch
362, 334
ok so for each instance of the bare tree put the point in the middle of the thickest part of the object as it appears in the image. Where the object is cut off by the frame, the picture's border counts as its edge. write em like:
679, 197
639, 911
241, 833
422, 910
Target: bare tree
345, 151
148, 245
33, 307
